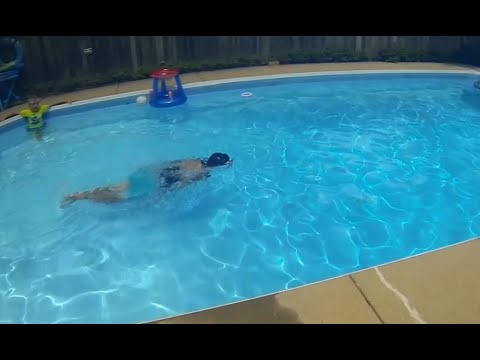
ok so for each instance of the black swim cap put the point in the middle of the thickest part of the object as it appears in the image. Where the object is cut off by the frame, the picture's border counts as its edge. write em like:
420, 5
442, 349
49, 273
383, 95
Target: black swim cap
218, 159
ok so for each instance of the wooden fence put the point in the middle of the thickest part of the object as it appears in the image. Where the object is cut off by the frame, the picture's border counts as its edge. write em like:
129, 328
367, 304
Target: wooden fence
62, 57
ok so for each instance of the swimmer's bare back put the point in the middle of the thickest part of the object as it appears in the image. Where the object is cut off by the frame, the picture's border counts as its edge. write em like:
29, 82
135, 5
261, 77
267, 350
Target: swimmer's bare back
191, 165
109, 194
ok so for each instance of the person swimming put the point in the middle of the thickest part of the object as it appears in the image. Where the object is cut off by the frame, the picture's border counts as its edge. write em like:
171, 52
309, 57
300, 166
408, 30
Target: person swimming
147, 180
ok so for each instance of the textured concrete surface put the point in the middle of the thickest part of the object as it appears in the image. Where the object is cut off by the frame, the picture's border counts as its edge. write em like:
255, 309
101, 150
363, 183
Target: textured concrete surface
337, 301
442, 287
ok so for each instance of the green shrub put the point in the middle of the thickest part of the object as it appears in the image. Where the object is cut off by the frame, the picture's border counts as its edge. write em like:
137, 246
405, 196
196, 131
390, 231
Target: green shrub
122, 75
218, 64
404, 55
143, 73
188, 67
322, 56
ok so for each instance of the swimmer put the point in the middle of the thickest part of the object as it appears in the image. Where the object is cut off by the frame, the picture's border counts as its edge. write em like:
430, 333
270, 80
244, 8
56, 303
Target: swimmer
145, 181
34, 116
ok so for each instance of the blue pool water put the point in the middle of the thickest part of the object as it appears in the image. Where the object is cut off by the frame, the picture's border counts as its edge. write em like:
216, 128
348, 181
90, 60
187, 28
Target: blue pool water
330, 176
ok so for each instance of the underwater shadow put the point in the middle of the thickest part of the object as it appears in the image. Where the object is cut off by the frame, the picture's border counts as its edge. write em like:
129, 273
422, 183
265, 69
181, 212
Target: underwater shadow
471, 97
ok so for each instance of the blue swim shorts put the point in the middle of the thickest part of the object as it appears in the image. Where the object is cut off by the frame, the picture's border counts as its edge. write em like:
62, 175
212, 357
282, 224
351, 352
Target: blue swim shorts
143, 182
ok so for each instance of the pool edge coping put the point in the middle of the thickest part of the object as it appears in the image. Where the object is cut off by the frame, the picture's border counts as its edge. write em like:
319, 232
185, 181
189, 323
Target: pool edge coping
446, 247
207, 83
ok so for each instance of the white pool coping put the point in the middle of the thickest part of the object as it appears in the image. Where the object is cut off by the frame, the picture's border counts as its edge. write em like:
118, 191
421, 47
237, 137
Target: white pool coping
207, 83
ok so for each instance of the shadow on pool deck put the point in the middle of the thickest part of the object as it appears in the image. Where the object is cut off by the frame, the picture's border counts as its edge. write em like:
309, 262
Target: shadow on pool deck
265, 310
337, 301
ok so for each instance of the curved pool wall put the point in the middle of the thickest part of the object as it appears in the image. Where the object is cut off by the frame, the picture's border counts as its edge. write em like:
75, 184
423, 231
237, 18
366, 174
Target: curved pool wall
15, 124
237, 83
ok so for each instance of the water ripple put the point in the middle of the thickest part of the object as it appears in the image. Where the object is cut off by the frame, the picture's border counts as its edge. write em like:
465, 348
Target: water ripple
333, 177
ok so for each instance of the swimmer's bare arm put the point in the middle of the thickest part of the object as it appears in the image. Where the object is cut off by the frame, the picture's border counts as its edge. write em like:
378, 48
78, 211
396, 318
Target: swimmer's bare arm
107, 194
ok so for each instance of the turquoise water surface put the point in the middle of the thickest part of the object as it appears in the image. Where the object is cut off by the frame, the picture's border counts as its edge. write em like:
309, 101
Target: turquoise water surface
331, 175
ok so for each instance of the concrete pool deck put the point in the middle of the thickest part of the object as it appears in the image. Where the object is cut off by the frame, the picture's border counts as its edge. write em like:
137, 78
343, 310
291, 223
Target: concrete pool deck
438, 287
442, 287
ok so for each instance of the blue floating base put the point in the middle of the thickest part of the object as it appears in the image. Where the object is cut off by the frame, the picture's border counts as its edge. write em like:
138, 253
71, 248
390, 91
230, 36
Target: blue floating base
166, 102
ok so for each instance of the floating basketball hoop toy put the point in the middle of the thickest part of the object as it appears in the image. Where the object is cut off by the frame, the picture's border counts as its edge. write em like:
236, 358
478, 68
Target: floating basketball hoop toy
162, 95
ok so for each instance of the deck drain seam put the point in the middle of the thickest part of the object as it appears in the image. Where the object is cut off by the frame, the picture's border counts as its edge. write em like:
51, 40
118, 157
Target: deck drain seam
414, 314
366, 299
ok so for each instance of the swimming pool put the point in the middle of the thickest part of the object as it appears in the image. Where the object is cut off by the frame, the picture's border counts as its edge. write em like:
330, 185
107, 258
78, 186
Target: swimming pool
331, 175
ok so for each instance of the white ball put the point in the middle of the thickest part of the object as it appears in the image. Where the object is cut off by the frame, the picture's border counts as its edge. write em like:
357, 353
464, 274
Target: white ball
141, 100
